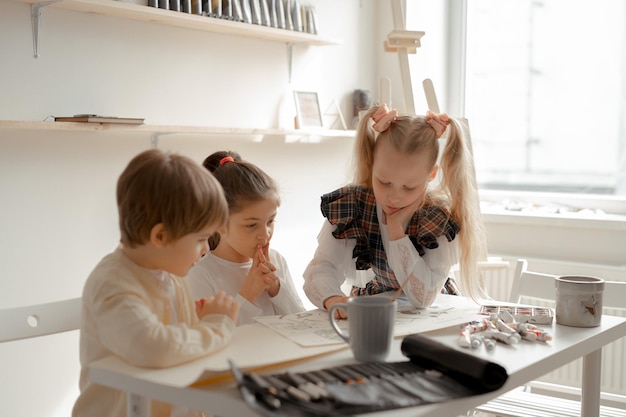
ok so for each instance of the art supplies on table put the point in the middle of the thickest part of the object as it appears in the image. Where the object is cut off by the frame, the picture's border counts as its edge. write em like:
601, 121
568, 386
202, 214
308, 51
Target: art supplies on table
507, 324
521, 314
434, 373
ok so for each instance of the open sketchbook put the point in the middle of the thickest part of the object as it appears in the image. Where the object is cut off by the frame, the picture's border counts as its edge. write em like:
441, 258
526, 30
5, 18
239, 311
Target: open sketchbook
262, 347
313, 328
253, 347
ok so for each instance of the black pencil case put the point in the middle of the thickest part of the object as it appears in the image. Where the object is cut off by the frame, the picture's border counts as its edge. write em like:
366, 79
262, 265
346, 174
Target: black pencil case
434, 373
472, 371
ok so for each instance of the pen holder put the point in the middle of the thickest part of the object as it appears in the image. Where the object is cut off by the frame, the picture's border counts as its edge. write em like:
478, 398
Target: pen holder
579, 300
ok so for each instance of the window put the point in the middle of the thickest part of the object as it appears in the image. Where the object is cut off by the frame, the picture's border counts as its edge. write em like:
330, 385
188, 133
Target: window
545, 94
543, 85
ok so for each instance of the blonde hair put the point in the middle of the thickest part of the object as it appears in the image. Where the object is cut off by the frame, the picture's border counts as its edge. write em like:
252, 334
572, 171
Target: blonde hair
457, 188
162, 187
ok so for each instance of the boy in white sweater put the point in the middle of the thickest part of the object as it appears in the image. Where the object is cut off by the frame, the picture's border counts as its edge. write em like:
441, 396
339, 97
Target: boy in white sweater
136, 304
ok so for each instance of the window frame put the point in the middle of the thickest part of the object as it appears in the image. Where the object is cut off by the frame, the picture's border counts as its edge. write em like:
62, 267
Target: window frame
455, 58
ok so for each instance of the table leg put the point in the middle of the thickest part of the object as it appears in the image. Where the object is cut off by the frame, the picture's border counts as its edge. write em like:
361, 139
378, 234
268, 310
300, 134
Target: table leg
592, 372
137, 406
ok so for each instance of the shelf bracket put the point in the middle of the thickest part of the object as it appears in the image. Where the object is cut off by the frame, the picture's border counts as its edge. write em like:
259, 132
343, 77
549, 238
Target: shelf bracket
155, 138
35, 15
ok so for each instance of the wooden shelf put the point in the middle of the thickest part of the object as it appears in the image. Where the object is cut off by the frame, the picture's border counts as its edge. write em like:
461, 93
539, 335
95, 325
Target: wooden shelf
169, 129
185, 20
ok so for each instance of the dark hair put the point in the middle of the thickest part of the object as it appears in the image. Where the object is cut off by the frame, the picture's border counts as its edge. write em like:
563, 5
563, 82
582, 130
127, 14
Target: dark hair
162, 187
243, 183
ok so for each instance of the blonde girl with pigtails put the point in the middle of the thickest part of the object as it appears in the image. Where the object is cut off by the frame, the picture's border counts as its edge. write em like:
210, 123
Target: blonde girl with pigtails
394, 226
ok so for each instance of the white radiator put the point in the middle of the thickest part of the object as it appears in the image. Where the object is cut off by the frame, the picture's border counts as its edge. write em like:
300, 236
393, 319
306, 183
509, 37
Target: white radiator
499, 281
498, 275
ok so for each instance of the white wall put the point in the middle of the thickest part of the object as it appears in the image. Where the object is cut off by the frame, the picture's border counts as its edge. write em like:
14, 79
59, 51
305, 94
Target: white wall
58, 213
170, 75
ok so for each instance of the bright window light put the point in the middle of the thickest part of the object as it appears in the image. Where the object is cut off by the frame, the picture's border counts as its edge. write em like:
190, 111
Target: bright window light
545, 93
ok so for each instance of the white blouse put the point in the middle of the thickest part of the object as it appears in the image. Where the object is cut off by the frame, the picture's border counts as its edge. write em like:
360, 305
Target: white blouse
333, 264
213, 274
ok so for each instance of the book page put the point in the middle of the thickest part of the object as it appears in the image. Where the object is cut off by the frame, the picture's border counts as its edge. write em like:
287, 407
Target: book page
313, 328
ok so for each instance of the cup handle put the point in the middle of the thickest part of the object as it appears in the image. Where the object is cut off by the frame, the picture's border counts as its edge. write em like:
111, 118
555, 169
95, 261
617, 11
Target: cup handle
333, 322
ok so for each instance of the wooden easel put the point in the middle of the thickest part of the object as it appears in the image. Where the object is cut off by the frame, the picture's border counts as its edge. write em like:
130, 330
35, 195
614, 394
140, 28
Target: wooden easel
404, 42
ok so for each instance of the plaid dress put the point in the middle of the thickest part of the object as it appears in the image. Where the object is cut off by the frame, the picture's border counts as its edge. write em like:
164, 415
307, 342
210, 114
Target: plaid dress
353, 210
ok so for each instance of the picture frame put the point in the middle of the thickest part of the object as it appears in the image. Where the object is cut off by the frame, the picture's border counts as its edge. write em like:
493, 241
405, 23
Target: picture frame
334, 110
308, 112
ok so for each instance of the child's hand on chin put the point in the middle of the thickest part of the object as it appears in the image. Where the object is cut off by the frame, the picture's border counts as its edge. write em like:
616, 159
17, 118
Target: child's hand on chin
396, 220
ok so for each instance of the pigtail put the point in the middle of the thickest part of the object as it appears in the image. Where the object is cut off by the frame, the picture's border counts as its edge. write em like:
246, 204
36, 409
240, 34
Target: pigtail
364, 150
216, 160
212, 163
459, 182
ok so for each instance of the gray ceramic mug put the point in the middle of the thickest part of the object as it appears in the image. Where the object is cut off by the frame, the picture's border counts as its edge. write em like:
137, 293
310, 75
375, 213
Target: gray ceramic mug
370, 326
579, 300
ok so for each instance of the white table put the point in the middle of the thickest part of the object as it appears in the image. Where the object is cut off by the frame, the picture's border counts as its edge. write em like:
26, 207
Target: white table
524, 362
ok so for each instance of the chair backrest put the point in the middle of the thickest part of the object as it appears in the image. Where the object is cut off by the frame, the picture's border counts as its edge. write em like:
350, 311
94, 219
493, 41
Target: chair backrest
39, 320
534, 285
614, 296
539, 286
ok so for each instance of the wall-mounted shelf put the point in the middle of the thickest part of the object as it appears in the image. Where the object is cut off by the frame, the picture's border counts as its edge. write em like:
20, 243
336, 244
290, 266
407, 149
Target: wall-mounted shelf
156, 130
173, 18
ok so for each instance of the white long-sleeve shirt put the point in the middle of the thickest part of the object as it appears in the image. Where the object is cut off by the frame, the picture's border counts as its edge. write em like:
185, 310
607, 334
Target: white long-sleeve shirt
213, 274
332, 264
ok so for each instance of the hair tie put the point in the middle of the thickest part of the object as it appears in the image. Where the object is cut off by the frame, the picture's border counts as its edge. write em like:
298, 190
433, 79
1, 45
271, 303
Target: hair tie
226, 159
439, 122
383, 118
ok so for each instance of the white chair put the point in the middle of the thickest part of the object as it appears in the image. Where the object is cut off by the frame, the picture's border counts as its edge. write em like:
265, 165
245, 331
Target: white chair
39, 358
39, 320
531, 286
544, 399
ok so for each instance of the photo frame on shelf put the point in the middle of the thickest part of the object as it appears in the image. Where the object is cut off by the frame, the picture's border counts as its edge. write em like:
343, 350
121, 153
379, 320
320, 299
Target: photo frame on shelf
334, 110
308, 112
